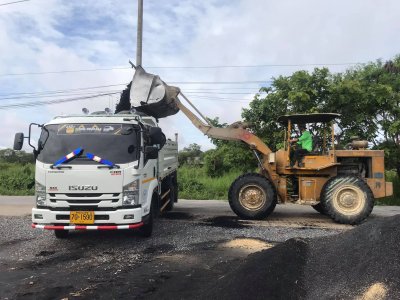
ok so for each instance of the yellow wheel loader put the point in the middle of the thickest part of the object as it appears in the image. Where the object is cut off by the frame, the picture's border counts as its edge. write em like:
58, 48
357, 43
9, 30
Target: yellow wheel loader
341, 183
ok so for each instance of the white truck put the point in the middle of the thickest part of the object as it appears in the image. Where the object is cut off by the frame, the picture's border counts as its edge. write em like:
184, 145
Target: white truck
102, 171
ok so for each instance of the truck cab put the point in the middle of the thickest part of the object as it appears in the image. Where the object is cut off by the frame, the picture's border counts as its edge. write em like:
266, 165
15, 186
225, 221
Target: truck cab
102, 171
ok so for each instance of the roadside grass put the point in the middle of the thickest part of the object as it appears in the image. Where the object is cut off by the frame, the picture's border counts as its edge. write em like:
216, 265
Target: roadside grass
17, 179
391, 176
195, 184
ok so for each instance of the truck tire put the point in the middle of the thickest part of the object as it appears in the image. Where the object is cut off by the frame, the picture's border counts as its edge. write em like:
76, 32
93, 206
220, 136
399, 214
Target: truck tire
347, 199
61, 234
252, 196
170, 205
173, 194
319, 208
147, 229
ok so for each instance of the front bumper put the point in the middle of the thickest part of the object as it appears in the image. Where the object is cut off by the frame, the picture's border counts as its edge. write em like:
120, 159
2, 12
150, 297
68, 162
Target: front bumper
106, 220
87, 227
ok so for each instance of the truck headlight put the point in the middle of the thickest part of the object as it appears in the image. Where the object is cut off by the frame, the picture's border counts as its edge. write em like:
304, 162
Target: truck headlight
130, 193
40, 192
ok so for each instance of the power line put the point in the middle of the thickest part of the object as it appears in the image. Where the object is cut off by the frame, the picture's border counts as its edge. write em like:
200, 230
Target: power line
222, 93
56, 95
185, 67
17, 95
3, 4
218, 82
49, 102
63, 91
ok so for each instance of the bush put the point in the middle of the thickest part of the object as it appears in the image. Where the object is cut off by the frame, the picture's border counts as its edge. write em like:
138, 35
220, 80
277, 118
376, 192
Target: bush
391, 176
17, 179
194, 183
228, 157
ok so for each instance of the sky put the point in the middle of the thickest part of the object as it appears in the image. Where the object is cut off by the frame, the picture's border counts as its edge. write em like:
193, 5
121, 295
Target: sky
48, 36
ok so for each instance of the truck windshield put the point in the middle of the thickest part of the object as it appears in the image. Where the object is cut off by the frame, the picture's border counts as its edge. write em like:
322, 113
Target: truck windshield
119, 143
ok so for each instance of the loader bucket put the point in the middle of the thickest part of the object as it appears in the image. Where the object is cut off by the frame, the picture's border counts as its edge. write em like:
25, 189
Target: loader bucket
152, 96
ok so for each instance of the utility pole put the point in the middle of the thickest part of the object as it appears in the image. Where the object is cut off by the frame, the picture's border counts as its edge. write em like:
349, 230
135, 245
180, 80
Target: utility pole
139, 34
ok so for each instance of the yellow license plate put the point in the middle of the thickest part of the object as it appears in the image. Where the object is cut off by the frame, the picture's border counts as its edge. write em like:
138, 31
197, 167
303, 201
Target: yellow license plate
81, 217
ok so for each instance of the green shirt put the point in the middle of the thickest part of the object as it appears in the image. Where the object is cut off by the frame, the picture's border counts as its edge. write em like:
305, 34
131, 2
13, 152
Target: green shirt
305, 141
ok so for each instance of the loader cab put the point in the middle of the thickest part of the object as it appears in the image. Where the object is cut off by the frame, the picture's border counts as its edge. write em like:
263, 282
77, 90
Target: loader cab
321, 127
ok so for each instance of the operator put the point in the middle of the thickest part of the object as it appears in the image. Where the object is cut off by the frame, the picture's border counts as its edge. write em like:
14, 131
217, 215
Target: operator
304, 146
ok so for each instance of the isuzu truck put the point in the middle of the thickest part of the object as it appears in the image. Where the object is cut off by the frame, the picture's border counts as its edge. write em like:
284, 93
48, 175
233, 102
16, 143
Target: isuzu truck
102, 171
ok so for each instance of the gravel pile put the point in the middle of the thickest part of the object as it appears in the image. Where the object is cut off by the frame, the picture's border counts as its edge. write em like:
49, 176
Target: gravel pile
363, 263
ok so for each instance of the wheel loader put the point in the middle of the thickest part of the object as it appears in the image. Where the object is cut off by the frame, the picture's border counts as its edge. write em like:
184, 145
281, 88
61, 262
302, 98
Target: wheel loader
341, 183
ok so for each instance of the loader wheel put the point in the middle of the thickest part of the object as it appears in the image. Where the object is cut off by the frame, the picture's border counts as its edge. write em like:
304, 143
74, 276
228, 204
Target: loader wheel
252, 196
347, 199
319, 208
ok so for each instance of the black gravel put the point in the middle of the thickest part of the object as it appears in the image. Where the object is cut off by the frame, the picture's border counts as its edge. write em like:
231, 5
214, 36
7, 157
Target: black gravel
342, 266
117, 265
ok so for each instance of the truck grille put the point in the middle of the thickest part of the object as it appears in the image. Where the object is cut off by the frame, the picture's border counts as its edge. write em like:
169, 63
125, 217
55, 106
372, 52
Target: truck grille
84, 199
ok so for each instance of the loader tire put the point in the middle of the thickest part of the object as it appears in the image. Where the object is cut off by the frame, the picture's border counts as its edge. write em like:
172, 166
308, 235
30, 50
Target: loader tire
347, 199
319, 208
252, 196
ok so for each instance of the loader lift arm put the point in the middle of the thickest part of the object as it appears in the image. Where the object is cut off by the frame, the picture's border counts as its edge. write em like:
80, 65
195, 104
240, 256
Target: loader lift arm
230, 134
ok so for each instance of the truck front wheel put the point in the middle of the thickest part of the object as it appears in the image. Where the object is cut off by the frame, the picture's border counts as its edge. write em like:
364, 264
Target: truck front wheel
147, 229
61, 234
252, 196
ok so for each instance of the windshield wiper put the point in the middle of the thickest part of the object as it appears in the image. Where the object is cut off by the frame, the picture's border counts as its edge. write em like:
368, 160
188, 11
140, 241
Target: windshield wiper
100, 160
68, 157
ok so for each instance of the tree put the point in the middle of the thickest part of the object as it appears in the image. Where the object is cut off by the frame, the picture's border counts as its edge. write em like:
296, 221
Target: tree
189, 153
366, 96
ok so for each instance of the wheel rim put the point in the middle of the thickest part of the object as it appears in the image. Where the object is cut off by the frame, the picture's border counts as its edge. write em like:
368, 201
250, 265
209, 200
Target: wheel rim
252, 197
349, 199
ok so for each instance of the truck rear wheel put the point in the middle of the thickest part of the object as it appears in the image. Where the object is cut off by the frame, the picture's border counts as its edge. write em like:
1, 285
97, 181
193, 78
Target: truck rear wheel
173, 194
252, 196
61, 234
347, 199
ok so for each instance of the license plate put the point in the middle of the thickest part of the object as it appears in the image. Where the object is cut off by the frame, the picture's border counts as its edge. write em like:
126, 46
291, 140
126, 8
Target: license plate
81, 217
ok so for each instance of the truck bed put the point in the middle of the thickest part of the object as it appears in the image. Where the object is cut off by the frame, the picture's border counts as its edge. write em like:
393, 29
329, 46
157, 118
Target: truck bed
168, 158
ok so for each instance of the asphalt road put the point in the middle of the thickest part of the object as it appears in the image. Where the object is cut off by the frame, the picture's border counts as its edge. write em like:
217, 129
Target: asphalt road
197, 242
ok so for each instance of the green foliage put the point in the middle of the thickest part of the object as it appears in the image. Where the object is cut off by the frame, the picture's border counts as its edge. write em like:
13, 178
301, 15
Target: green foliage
367, 97
391, 176
17, 179
227, 157
189, 153
195, 184
11, 156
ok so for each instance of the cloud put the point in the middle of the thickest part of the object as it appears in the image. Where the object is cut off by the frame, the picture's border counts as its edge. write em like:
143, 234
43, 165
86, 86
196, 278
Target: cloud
39, 36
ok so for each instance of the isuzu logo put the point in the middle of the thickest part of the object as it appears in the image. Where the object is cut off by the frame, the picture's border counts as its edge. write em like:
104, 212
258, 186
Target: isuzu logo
83, 187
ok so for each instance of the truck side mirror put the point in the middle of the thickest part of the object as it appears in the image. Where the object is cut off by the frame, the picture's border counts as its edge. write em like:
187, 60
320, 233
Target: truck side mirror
151, 152
18, 141
157, 137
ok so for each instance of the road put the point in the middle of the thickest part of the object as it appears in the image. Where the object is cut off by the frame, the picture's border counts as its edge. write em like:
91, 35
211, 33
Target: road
197, 243
196, 210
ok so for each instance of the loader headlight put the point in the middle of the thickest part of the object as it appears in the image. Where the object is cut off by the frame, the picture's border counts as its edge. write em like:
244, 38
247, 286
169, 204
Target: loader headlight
40, 193
130, 193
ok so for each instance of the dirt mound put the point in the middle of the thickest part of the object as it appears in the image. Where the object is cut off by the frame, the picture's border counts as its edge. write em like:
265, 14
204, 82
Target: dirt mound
358, 264
247, 245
